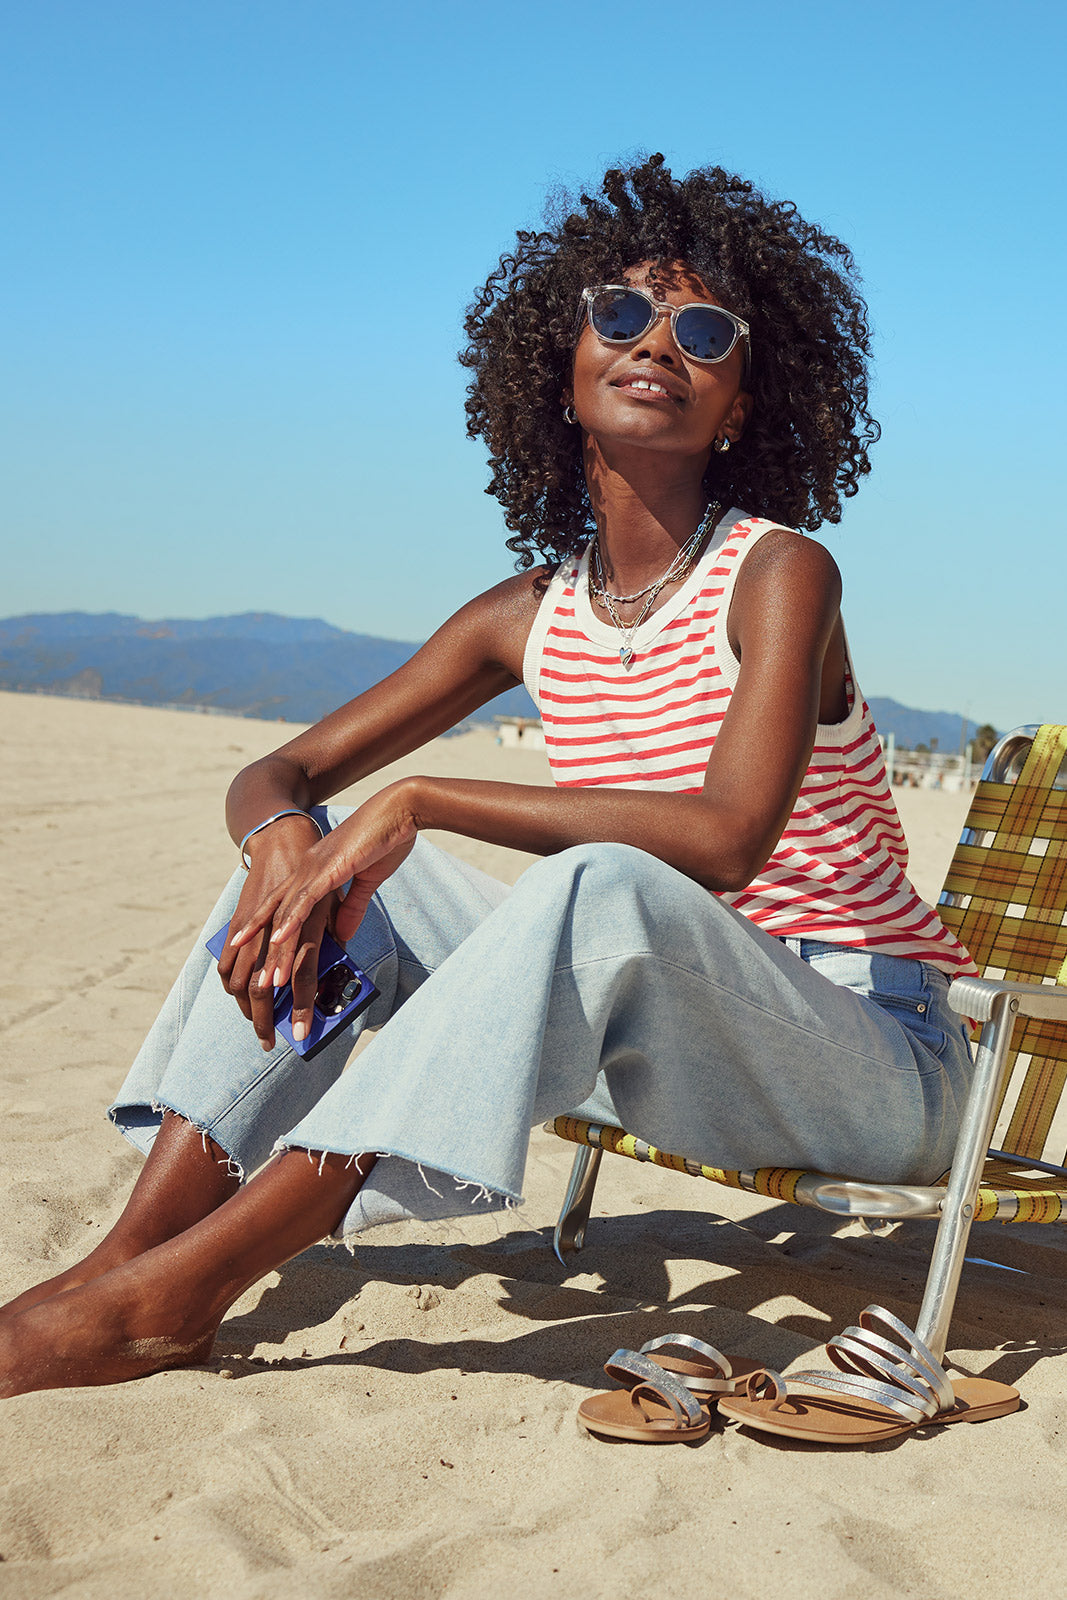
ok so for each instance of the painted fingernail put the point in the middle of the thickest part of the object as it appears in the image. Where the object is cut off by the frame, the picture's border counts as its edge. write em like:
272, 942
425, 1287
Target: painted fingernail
235, 936
300, 1031
264, 979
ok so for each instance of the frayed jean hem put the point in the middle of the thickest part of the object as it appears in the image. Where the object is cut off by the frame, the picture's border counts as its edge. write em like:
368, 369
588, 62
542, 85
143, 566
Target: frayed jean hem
140, 1125
401, 1188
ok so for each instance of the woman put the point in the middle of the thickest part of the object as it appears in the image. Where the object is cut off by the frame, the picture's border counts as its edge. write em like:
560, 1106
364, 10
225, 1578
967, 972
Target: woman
720, 950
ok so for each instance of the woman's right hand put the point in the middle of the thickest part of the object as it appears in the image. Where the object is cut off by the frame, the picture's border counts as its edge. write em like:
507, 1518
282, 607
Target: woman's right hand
275, 854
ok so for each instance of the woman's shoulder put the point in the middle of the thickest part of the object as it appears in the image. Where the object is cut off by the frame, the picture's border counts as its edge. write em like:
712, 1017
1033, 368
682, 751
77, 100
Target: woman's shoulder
498, 620
775, 547
520, 594
790, 568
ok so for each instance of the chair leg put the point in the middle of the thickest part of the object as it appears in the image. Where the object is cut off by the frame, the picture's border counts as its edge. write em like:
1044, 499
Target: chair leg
957, 1208
570, 1229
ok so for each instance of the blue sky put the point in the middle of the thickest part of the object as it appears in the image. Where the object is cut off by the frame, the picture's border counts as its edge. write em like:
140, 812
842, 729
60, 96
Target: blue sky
240, 235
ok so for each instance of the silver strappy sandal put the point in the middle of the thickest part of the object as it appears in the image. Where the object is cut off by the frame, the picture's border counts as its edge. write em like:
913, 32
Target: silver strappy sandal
882, 1387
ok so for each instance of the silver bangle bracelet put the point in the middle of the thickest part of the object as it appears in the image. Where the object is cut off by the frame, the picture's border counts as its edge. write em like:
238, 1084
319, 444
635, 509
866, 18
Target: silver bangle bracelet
291, 811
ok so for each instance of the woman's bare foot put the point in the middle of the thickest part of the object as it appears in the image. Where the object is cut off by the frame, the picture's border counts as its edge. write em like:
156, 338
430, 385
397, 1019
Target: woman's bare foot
186, 1176
107, 1331
163, 1308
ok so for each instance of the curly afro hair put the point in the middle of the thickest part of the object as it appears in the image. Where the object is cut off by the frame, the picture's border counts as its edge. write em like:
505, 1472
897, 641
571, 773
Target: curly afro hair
806, 444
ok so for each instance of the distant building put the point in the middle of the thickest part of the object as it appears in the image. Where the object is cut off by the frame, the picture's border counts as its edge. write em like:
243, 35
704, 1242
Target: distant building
930, 769
519, 733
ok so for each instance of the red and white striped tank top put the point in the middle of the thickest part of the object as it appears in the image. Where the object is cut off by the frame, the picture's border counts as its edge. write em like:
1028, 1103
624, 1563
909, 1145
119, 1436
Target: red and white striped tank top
838, 871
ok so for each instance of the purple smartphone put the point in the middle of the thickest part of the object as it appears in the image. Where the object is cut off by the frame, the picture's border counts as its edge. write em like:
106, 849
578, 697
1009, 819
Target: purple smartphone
343, 992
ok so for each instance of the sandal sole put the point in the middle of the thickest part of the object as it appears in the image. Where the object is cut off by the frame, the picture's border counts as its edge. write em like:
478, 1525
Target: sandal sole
824, 1420
615, 1414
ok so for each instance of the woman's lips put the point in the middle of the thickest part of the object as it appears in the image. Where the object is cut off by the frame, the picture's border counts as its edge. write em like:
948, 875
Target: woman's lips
645, 389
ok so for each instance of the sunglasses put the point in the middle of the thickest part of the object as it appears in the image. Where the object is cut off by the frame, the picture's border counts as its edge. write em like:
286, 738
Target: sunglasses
619, 314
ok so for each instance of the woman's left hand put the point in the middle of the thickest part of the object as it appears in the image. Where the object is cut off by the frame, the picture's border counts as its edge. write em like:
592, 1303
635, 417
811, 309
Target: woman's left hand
366, 848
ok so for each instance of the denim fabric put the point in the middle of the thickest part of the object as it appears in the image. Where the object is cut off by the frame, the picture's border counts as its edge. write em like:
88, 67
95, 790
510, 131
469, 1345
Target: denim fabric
605, 982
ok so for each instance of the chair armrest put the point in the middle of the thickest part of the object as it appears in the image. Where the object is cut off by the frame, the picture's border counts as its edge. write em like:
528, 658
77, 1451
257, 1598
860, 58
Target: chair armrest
974, 997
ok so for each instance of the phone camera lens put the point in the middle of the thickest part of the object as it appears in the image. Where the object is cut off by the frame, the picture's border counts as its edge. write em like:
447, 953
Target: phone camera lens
338, 987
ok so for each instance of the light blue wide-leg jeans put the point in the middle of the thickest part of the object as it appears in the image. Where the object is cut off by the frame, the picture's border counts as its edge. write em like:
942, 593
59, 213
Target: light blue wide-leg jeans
605, 982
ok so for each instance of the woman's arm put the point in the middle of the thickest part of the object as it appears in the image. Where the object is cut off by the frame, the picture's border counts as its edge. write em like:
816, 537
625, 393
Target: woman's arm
784, 625
476, 655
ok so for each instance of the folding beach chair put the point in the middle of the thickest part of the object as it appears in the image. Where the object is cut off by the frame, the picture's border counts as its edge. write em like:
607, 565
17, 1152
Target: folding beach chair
1005, 898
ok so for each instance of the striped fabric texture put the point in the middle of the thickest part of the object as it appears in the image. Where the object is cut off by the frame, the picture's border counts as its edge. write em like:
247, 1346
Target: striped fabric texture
838, 872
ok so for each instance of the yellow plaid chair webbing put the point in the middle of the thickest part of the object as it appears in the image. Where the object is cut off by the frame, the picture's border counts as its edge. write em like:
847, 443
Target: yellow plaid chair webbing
779, 1183
1005, 898
1006, 1194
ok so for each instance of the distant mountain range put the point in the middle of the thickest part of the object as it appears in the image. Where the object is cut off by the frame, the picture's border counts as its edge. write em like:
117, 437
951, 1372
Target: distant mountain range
911, 727
261, 665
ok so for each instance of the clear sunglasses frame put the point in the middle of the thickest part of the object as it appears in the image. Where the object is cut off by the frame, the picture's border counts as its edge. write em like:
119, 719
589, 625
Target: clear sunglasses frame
663, 308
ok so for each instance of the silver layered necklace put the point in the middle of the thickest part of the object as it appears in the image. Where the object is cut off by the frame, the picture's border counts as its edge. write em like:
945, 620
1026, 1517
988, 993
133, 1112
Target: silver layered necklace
598, 589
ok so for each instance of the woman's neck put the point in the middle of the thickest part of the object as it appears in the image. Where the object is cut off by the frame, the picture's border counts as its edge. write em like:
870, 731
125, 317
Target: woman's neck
642, 523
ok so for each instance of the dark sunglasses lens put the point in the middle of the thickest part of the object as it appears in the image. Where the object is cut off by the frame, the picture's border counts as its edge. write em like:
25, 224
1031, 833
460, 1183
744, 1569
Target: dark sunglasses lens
705, 333
620, 315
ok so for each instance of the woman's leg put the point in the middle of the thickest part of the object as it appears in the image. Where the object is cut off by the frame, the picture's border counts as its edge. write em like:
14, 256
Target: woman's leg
201, 1058
162, 1309
713, 1039
185, 1177
203, 1101
710, 1038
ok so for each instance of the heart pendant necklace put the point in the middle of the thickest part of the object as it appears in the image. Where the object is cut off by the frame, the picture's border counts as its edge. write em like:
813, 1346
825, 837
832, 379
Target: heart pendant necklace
598, 589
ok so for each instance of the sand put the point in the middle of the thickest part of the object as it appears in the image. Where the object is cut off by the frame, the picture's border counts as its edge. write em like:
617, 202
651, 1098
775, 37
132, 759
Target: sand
403, 1423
